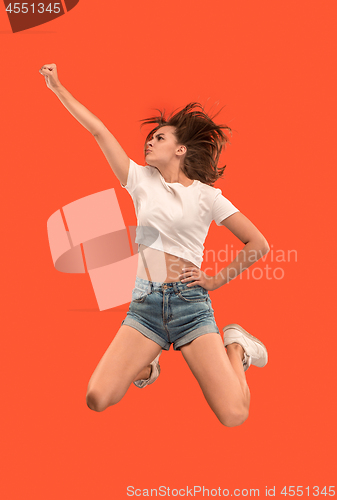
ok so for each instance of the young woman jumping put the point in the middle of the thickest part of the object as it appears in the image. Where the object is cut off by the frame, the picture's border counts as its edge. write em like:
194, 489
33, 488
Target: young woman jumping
175, 203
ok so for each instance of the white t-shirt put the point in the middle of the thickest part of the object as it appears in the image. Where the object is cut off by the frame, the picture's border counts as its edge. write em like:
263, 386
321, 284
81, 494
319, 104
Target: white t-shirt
171, 217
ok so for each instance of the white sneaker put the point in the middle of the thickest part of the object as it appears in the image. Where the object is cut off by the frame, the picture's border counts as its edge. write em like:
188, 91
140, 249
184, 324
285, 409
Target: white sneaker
155, 371
255, 353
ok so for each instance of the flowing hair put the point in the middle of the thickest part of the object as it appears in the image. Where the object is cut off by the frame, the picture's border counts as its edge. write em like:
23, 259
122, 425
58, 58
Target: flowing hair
203, 139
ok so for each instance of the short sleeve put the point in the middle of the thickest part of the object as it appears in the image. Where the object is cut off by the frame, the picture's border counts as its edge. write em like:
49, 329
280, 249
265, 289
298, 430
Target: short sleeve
222, 208
136, 175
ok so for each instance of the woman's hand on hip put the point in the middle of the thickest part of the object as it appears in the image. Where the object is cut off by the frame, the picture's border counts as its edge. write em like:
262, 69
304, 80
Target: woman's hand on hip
192, 276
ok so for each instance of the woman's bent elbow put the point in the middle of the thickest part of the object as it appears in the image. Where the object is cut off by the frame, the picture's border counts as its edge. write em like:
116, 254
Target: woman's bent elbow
265, 248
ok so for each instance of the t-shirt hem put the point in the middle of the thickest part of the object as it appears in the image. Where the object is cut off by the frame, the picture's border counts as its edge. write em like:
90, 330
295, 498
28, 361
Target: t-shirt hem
176, 254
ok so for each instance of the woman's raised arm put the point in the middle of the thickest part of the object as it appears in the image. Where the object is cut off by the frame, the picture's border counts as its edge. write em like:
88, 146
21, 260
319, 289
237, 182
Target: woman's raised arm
112, 150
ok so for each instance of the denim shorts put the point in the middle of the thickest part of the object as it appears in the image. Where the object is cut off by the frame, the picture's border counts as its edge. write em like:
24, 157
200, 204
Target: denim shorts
170, 313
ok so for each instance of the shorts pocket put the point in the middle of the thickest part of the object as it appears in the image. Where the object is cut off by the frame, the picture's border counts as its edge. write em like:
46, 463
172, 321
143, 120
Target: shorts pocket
139, 295
193, 294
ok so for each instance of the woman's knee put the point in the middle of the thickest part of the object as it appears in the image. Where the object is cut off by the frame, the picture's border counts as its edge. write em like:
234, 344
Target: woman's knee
233, 417
98, 401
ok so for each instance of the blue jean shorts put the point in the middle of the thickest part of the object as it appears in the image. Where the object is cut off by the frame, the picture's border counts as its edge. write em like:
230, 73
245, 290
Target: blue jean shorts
170, 313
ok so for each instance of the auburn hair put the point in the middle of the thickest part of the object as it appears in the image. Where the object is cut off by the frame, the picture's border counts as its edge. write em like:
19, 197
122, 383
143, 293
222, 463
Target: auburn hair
203, 139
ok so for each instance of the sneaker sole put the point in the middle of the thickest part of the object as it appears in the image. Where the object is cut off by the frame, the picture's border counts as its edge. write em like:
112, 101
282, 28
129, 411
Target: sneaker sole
158, 370
242, 330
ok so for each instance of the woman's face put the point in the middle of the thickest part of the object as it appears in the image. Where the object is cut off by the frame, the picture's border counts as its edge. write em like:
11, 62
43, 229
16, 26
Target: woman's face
163, 147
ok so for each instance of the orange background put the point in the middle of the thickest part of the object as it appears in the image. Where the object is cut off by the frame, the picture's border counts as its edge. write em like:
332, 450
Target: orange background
272, 64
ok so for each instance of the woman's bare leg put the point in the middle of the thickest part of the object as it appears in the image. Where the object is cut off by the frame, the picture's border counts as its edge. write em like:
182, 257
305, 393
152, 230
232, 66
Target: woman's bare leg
127, 356
235, 354
221, 377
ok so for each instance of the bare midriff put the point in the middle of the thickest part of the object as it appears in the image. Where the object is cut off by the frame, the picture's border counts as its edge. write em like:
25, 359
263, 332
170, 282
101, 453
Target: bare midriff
154, 265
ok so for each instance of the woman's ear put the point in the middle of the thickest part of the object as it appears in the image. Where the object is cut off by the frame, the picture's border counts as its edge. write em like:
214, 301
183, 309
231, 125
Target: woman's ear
181, 150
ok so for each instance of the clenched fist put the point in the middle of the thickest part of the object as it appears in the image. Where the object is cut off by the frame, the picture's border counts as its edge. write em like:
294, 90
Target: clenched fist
49, 71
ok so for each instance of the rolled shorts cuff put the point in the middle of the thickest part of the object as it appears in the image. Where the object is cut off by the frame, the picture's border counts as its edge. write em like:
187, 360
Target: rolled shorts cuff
186, 339
146, 332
